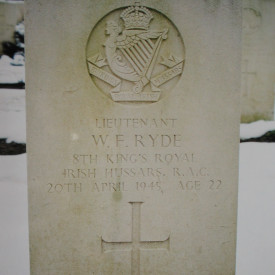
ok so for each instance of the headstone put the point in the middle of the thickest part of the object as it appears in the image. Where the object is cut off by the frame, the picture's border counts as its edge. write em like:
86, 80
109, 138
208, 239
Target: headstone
258, 60
133, 132
11, 13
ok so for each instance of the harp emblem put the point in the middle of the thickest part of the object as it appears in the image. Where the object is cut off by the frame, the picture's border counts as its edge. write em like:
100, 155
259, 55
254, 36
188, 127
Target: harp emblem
130, 55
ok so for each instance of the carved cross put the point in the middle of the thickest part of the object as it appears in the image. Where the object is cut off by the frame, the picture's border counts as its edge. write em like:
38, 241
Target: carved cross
247, 74
135, 244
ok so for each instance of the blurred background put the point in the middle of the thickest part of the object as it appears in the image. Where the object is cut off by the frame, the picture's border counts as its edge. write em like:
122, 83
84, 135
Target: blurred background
256, 214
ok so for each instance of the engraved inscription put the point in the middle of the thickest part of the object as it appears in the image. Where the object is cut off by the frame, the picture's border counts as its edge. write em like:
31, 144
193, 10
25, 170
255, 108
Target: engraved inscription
129, 165
133, 62
135, 123
65, 188
135, 244
197, 185
138, 140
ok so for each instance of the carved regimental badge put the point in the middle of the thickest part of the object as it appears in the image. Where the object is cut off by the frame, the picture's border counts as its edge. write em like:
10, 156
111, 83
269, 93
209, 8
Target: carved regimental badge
135, 54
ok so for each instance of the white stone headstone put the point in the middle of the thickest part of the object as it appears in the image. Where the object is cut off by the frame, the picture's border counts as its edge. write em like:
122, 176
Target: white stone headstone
133, 132
258, 60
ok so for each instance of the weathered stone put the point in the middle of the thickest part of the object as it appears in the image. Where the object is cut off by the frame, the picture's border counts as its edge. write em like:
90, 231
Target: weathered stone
133, 136
258, 61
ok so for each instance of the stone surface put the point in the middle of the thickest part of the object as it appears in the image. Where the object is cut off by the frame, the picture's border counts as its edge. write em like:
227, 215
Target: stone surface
11, 13
133, 136
258, 60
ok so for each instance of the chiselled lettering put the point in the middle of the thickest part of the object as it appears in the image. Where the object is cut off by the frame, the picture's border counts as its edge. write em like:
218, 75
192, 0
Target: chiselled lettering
135, 123
158, 140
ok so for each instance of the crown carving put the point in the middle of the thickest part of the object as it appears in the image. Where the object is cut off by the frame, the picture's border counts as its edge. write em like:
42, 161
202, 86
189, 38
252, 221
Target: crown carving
136, 17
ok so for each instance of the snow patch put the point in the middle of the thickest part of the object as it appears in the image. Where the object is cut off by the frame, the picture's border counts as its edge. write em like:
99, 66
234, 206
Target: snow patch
256, 129
14, 241
256, 215
10, 74
12, 115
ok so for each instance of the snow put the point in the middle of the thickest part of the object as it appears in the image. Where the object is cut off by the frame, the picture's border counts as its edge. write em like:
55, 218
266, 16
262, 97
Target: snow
20, 28
256, 215
256, 129
14, 247
9, 73
12, 115
11, 1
